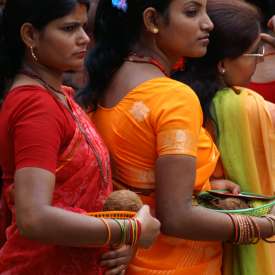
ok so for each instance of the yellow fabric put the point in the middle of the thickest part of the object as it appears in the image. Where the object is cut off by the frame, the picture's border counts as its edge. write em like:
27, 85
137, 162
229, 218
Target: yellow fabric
159, 117
247, 143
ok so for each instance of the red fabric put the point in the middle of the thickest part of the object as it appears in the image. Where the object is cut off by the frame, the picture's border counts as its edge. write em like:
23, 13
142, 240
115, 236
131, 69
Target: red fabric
5, 219
39, 129
267, 90
79, 188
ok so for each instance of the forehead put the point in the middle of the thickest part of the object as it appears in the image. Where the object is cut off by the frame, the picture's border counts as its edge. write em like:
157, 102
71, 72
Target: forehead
79, 13
198, 2
186, 3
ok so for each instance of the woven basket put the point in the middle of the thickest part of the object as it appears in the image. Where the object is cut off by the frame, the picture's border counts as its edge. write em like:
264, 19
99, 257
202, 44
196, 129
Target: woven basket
256, 211
113, 214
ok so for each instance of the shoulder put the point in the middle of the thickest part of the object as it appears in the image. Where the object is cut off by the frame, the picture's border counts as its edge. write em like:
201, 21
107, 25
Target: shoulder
27, 94
174, 101
27, 102
167, 90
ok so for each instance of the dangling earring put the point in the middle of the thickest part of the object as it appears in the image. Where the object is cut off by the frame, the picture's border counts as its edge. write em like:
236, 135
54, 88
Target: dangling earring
33, 54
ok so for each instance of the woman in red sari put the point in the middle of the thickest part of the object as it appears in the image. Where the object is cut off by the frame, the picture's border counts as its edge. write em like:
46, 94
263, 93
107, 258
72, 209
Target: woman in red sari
55, 165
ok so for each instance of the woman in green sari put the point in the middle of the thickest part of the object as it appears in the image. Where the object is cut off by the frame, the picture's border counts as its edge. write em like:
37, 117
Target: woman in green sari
241, 121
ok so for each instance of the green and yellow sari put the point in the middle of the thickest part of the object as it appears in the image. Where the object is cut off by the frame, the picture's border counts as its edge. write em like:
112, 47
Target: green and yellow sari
246, 140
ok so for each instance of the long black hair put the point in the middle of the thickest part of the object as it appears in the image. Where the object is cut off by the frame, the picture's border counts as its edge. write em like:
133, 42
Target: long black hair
236, 27
17, 12
115, 32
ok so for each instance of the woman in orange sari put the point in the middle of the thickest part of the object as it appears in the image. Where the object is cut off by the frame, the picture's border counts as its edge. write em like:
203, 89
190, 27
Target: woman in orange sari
55, 165
152, 126
244, 122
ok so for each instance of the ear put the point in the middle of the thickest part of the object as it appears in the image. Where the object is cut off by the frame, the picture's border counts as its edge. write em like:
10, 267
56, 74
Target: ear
29, 35
221, 67
150, 20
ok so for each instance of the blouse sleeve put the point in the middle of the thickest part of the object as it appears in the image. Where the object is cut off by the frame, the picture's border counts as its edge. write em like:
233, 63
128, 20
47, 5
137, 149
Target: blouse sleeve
38, 131
178, 120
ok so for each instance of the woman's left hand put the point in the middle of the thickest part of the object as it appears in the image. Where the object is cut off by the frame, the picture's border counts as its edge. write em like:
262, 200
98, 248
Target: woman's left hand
116, 260
225, 184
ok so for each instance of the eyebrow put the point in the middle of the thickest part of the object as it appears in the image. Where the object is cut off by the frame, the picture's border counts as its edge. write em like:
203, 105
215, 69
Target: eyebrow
75, 23
199, 3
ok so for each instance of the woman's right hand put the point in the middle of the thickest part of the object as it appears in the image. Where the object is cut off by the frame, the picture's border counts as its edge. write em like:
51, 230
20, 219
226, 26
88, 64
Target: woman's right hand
271, 23
150, 227
268, 38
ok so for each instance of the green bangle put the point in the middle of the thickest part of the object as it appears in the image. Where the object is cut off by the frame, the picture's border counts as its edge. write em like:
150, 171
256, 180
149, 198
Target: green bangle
121, 231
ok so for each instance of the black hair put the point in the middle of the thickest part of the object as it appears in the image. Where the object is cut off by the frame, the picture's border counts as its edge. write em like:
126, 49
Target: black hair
267, 10
115, 32
236, 27
17, 12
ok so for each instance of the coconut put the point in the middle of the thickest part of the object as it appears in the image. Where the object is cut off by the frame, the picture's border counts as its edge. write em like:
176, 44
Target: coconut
123, 200
230, 204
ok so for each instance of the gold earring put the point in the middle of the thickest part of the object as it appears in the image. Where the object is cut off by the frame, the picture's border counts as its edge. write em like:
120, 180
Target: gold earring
155, 30
33, 54
222, 71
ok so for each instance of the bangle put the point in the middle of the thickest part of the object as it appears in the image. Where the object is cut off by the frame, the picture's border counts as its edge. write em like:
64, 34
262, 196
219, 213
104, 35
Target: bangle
139, 229
122, 230
245, 229
256, 232
235, 228
109, 234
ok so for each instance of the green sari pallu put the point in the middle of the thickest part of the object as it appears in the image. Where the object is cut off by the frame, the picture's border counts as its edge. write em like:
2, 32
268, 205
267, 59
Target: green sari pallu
246, 140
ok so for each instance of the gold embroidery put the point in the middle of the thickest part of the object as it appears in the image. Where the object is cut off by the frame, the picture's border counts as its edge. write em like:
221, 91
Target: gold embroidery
139, 111
177, 140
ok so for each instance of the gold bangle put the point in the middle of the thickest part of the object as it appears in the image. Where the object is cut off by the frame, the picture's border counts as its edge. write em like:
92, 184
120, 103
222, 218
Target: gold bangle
256, 231
109, 234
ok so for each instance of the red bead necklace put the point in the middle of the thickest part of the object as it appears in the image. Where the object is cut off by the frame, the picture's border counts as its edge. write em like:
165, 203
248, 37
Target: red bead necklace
133, 57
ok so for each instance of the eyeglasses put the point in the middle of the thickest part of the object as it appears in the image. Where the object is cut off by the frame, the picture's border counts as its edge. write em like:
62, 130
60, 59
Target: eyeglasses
260, 53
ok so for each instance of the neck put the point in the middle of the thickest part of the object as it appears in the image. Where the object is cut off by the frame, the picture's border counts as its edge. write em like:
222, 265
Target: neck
53, 78
156, 54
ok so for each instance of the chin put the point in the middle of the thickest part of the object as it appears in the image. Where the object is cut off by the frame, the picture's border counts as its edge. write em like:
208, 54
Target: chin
77, 68
196, 53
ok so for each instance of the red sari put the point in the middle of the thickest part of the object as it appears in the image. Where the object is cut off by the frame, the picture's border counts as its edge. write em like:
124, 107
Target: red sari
83, 181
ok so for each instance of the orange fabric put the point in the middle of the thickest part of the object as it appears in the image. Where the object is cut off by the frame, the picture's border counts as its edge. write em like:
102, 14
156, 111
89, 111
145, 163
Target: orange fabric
160, 117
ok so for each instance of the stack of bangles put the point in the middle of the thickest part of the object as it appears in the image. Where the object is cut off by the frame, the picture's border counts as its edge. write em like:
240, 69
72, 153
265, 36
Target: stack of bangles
246, 229
130, 231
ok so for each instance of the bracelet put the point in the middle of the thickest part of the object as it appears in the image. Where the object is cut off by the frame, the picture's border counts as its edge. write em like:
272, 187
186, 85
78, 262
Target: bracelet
122, 232
257, 229
235, 228
130, 231
245, 229
109, 234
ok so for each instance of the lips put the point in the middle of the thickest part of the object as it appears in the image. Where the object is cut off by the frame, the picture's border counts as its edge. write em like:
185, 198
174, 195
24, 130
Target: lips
204, 39
81, 54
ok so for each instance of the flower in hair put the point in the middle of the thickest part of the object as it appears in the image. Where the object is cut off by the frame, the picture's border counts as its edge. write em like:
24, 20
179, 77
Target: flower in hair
120, 4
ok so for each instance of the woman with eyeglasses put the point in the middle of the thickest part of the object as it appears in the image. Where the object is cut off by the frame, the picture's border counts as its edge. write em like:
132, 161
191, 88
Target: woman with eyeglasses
241, 121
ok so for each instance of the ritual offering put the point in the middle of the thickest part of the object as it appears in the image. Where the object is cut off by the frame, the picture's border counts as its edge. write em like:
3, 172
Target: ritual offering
121, 204
243, 203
